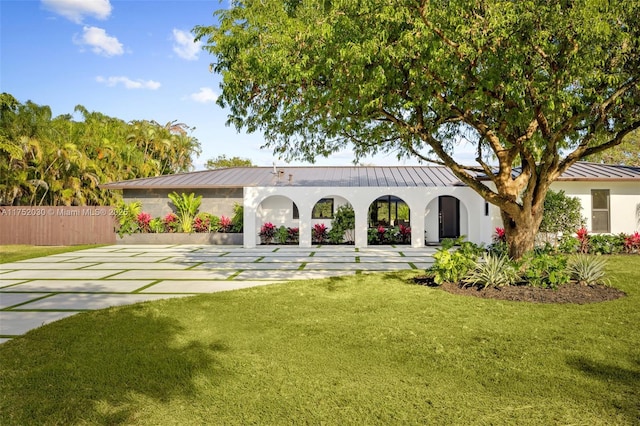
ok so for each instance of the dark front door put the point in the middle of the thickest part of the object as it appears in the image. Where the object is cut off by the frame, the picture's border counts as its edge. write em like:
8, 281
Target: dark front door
449, 217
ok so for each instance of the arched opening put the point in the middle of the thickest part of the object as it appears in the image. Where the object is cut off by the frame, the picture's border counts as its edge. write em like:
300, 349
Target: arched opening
278, 221
445, 217
332, 221
389, 221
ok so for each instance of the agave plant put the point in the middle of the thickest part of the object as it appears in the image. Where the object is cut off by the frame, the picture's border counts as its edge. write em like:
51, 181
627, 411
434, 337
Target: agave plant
492, 271
587, 270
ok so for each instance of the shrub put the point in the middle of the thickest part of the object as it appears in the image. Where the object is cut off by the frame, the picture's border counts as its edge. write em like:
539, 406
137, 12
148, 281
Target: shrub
186, 208
267, 233
343, 225
319, 233
545, 270
281, 235
335, 235
127, 215
569, 244
605, 244
451, 265
156, 225
372, 236
498, 248
492, 270
237, 220
587, 270
562, 214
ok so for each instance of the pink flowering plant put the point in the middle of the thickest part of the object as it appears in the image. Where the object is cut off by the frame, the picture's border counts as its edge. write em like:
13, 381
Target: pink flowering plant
267, 232
319, 233
405, 233
225, 224
632, 243
583, 238
171, 222
143, 220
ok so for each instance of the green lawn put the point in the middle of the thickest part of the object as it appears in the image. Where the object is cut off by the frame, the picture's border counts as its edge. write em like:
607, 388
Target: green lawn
370, 349
15, 252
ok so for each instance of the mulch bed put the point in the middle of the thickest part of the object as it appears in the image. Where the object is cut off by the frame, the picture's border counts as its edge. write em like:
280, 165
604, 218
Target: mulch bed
567, 293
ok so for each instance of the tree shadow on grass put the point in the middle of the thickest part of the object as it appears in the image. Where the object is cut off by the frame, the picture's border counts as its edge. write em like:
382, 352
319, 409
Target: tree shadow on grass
624, 384
101, 367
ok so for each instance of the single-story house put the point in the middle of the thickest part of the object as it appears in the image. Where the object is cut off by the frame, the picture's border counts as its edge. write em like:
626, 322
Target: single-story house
429, 199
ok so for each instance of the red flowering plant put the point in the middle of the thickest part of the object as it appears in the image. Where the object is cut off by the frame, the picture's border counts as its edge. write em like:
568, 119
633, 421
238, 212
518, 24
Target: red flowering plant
225, 224
500, 236
202, 222
583, 238
405, 233
267, 232
171, 222
143, 220
319, 233
632, 243
294, 234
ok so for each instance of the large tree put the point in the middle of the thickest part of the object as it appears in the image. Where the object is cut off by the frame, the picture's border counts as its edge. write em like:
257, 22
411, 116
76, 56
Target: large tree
222, 162
533, 86
47, 160
627, 153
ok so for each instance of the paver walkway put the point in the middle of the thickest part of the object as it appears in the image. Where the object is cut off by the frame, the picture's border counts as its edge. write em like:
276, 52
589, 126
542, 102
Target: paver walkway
38, 291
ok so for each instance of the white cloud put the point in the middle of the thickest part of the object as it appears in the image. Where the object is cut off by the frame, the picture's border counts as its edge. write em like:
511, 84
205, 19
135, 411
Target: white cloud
205, 95
101, 43
184, 46
128, 83
76, 10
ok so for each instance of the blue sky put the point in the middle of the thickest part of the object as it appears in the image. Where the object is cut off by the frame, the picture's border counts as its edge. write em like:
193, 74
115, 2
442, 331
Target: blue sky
127, 59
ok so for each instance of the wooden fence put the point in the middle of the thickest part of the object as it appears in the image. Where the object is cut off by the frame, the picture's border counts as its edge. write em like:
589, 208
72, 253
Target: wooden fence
57, 226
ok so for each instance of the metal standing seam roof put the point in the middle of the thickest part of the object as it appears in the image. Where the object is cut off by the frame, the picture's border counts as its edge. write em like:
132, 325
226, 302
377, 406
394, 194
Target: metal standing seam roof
349, 176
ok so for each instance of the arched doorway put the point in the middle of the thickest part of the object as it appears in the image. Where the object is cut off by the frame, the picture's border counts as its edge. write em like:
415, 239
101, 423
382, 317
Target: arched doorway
448, 217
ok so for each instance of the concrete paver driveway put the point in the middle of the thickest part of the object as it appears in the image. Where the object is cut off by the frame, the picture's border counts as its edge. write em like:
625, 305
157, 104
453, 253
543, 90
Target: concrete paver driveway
41, 290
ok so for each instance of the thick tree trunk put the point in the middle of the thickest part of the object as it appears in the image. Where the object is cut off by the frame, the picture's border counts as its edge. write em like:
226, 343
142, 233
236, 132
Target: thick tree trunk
521, 231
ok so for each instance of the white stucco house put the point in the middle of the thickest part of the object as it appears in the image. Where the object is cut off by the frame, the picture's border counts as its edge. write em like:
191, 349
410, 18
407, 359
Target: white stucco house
429, 199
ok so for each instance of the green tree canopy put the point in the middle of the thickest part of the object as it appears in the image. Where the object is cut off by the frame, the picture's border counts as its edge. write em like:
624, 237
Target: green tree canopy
222, 162
47, 160
535, 85
627, 153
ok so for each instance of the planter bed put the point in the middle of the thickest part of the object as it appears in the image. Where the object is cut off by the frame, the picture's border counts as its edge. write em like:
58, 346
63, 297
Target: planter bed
213, 238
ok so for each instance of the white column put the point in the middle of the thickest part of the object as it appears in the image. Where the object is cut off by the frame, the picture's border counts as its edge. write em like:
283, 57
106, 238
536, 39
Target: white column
249, 219
362, 225
417, 228
305, 224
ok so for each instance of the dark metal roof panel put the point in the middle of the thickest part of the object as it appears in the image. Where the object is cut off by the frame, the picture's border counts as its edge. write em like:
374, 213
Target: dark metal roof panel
600, 172
351, 176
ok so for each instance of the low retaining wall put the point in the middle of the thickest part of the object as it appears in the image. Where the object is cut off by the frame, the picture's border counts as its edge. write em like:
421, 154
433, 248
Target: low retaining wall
213, 238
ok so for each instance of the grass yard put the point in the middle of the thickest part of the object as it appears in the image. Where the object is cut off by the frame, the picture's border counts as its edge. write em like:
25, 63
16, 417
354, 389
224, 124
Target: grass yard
15, 252
369, 349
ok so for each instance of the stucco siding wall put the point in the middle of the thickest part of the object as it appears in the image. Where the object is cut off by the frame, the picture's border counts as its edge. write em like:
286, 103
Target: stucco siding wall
274, 205
624, 201
156, 202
